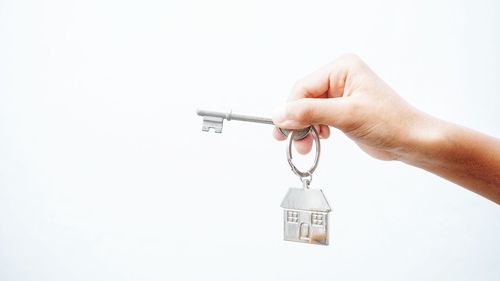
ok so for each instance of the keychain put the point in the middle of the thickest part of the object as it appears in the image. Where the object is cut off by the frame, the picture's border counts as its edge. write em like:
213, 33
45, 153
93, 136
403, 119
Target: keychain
305, 210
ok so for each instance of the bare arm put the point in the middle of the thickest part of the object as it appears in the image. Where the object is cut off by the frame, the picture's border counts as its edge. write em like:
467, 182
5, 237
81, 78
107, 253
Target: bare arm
348, 95
466, 157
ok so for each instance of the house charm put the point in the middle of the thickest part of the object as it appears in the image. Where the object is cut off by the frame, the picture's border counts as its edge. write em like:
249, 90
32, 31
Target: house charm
305, 216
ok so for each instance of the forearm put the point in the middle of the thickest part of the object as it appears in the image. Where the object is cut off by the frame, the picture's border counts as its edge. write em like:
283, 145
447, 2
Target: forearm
461, 155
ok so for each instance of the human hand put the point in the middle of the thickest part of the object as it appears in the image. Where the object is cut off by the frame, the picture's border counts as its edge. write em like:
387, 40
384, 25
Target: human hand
348, 95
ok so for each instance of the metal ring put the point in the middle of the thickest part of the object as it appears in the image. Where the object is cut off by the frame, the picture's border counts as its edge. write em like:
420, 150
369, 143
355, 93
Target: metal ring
289, 157
302, 133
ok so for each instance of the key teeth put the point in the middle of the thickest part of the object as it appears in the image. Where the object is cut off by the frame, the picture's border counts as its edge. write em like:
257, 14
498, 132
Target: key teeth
215, 129
214, 123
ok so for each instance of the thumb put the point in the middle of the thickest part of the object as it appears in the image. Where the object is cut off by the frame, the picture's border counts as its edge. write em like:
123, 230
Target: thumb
304, 112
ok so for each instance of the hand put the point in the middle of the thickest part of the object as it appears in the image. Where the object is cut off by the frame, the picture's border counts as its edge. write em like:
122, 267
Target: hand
348, 95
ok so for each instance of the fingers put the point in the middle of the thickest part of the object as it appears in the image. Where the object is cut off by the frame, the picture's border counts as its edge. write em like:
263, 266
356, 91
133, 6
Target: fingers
329, 81
304, 112
321, 98
304, 145
278, 135
323, 131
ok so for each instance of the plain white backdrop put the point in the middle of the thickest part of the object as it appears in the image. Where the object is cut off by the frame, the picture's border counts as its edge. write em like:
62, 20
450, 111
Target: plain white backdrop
106, 175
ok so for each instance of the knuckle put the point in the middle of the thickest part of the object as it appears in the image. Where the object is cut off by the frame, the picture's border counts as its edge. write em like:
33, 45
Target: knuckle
351, 59
298, 85
300, 88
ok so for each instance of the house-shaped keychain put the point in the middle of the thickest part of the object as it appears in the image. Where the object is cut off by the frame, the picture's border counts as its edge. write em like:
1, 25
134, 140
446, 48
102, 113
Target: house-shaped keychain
305, 216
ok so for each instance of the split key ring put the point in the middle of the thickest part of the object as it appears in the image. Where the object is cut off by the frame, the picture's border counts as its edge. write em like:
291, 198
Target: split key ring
304, 174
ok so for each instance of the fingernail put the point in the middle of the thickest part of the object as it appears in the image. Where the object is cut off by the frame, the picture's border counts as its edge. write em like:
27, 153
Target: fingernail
279, 114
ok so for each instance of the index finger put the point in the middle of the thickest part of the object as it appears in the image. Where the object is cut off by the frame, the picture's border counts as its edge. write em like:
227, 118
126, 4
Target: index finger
326, 82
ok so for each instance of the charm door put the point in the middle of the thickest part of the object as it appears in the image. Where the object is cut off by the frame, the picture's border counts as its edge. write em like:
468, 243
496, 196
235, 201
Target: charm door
304, 232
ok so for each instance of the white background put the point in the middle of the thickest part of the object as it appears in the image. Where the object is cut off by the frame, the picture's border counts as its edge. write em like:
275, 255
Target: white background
106, 175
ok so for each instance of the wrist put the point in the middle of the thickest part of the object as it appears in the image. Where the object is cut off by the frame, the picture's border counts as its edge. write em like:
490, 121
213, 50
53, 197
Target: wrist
425, 140
461, 155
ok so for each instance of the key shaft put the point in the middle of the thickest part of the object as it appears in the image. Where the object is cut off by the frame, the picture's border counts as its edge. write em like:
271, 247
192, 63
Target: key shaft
215, 119
234, 116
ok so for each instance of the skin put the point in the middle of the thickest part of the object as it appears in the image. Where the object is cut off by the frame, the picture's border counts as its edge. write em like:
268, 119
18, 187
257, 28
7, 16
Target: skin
349, 96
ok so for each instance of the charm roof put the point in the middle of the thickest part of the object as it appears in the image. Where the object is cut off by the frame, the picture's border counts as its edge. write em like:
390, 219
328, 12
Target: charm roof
305, 199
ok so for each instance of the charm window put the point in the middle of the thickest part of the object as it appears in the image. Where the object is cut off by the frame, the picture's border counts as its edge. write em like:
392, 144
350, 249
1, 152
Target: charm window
292, 216
318, 219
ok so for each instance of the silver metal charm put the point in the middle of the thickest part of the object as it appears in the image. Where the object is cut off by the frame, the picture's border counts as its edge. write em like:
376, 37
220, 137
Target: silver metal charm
305, 210
215, 120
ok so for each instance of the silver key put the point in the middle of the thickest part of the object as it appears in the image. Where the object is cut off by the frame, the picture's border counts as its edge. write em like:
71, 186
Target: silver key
215, 120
